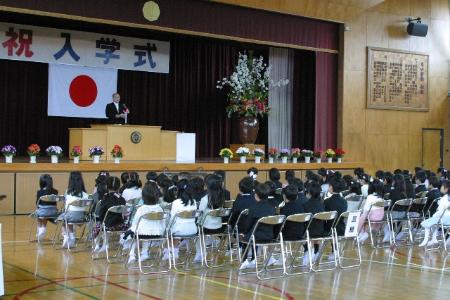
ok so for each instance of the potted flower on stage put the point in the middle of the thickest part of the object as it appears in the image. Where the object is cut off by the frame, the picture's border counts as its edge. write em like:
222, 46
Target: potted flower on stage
54, 152
9, 151
339, 154
273, 154
248, 93
307, 154
329, 155
243, 152
33, 151
295, 153
284, 153
95, 153
318, 156
258, 153
117, 153
76, 153
226, 154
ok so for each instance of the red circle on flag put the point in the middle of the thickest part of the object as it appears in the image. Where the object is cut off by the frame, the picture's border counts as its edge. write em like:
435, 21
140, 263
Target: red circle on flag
83, 90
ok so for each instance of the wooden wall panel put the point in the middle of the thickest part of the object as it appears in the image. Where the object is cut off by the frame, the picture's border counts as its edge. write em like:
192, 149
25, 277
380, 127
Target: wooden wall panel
7, 188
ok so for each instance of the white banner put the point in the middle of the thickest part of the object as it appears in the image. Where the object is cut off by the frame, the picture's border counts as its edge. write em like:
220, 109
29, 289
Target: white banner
49, 45
79, 92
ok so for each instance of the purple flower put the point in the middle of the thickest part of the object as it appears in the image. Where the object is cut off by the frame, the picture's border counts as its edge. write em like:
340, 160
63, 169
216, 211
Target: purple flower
9, 150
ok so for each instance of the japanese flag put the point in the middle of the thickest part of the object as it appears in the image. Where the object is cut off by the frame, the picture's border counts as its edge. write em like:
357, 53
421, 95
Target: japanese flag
79, 92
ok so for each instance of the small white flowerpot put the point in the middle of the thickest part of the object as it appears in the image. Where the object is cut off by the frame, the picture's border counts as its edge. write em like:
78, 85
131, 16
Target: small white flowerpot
307, 159
226, 160
318, 160
294, 160
339, 160
8, 159
270, 160
329, 160
257, 159
54, 159
96, 159
32, 159
284, 159
117, 160
76, 159
243, 159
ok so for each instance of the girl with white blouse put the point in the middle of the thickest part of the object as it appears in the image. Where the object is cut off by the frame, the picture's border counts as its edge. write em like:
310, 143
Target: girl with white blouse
132, 187
376, 213
182, 227
147, 228
214, 199
442, 210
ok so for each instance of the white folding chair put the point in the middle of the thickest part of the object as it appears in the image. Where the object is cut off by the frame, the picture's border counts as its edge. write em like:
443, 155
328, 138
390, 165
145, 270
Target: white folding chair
80, 205
161, 242
56, 200
217, 241
191, 240
324, 217
374, 239
293, 248
262, 267
233, 236
397, 217
108, 233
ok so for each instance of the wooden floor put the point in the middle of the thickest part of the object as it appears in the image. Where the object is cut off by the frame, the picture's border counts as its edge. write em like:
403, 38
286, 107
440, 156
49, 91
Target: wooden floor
41, 272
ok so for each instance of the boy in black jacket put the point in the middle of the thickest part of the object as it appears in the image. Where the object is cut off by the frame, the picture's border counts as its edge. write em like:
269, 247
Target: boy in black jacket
292, 231
262, 208
245, 199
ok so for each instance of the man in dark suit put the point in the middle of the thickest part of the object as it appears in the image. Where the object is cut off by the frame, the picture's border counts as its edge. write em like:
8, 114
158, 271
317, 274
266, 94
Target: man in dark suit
115, 111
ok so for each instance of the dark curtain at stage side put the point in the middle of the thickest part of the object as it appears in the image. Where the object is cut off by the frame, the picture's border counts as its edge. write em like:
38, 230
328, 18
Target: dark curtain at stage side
187, 99
303, 104
326, 100
23, 108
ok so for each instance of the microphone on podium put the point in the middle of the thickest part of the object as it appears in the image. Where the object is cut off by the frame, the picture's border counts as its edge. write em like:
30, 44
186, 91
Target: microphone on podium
126, 111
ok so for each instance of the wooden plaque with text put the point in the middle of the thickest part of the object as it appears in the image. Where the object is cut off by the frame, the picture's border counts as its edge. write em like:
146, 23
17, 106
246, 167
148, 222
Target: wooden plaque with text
397, 80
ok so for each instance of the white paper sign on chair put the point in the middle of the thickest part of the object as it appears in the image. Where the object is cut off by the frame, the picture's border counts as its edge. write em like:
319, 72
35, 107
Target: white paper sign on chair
351, 229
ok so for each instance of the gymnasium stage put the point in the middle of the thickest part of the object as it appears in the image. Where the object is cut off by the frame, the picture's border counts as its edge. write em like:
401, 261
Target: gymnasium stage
19, 181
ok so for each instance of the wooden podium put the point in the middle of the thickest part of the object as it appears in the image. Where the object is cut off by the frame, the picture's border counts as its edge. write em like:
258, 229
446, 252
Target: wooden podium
138, 142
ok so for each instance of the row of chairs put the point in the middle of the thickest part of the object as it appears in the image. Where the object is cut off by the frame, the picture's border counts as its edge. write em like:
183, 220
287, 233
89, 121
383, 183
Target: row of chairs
215, 247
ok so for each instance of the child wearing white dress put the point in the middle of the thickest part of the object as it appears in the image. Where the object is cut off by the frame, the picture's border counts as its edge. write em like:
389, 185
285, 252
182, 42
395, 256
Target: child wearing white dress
442, 210
182, 227
132, 187
147, 228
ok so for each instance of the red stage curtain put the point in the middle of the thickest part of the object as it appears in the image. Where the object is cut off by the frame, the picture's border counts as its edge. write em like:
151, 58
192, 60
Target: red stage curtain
326, 101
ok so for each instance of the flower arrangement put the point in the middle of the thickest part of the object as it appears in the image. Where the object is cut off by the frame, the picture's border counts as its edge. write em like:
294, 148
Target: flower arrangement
243, 151
117, 152
249, 87
307, 153
54, 150
330, 153
295, 152
226, 152
273, 152
317, 153
33, 150
76, 151
284, 152
258, 152
9, 150
339, 152
96, 150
